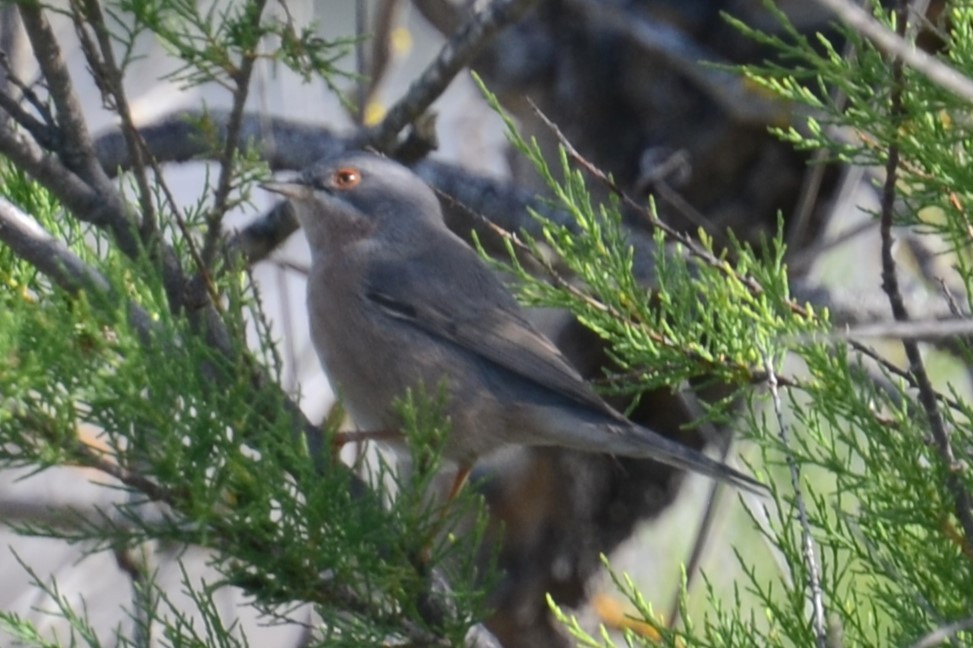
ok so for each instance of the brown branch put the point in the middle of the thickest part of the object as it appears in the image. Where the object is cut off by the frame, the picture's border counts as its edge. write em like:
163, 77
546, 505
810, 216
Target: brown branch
107, 71
34, 244
102, 204
927, 396
231, 144
453, 57
76, 150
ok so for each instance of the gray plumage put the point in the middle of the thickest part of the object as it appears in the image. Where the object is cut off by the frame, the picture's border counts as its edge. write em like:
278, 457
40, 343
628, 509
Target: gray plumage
395, 299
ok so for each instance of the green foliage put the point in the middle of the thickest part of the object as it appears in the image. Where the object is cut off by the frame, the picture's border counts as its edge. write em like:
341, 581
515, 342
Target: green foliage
892, 563
221, 460
184, 417
712, 315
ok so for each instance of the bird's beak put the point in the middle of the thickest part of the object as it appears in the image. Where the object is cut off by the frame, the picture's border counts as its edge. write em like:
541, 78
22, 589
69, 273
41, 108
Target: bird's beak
293, 189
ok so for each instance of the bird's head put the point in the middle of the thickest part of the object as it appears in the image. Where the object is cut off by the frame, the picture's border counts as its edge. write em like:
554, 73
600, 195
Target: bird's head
359, 195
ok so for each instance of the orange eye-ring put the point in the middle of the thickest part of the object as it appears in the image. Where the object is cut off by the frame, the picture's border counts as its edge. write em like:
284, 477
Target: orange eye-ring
346, 178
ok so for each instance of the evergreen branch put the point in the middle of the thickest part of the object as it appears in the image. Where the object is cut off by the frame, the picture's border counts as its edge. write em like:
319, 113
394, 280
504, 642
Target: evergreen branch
962, 500
713, 261
692, 246
31, 242
560, 282
81, 454
453, 56
897, 47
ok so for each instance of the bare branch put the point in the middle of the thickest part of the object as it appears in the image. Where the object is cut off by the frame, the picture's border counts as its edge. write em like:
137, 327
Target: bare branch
106, 69
284, 144
41, 131
915, 330
76, 150
83, 201
231, 145
818, 620
454, 55
34, 244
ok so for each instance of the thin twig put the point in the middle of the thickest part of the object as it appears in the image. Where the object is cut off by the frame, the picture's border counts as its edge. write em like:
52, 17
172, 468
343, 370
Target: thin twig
231, 145
818, 618
76, 150
919, 330
807, 199
361, 22
962, 501
691, 245
41, 131
804, 257
453, 56
106, 69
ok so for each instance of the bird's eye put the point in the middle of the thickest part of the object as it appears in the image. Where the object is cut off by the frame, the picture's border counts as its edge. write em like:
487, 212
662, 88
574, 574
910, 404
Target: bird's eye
346, 178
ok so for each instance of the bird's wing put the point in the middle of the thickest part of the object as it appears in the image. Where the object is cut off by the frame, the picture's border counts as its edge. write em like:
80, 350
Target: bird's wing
449, 293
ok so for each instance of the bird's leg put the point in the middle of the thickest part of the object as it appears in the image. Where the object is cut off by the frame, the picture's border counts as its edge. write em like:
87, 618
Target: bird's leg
462, 473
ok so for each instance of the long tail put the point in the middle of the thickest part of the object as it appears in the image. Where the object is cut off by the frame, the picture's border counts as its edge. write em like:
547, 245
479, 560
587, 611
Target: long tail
610, 433
640, 442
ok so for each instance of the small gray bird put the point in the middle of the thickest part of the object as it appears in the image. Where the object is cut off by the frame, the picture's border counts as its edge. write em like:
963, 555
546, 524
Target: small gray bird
396, 300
